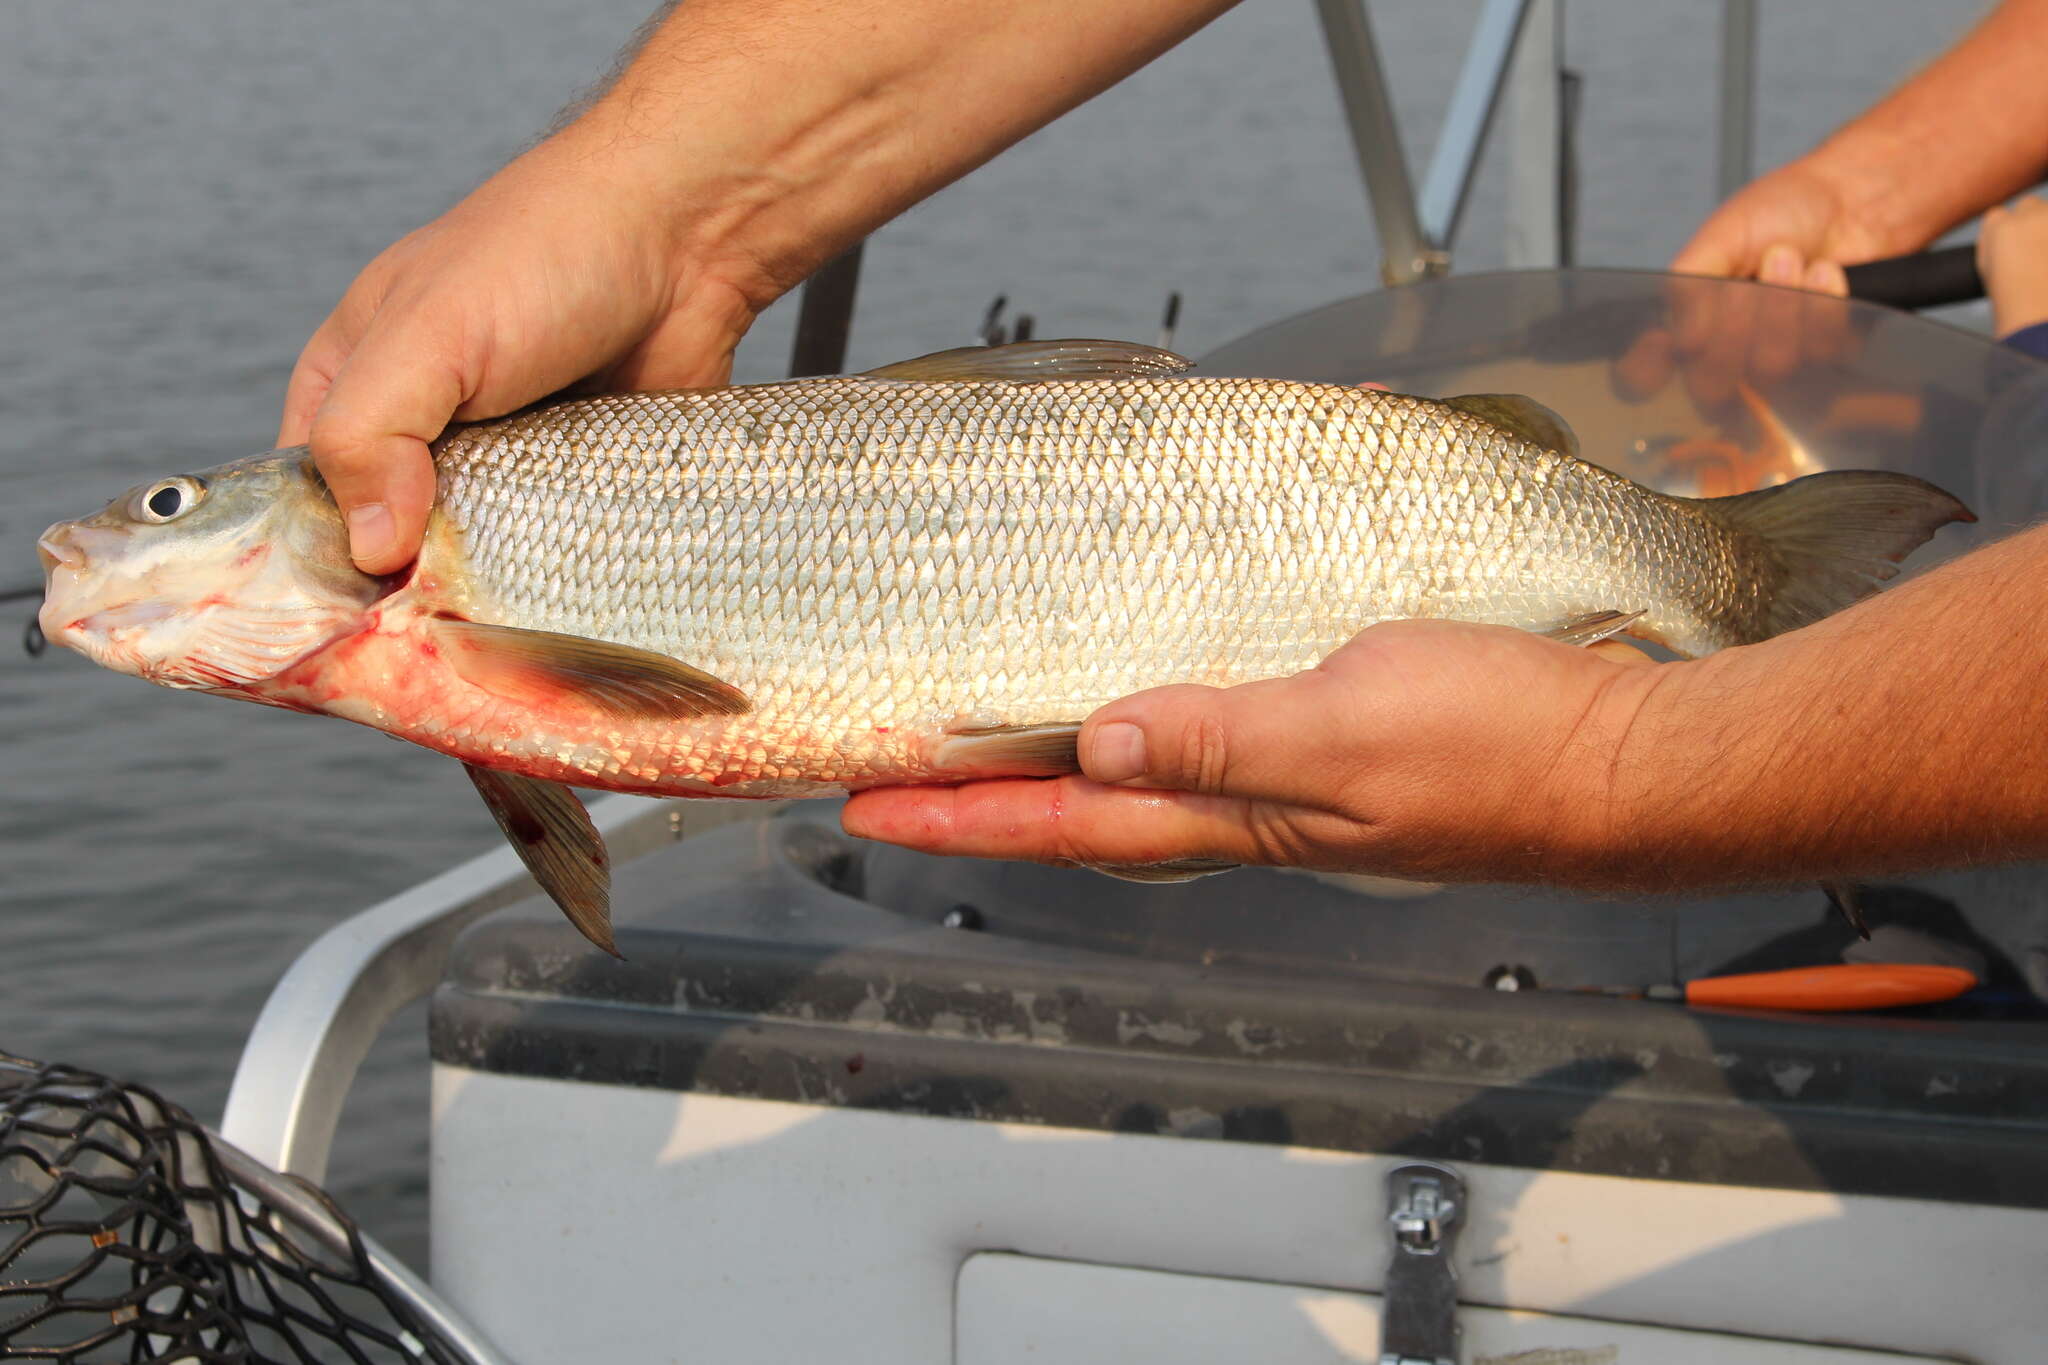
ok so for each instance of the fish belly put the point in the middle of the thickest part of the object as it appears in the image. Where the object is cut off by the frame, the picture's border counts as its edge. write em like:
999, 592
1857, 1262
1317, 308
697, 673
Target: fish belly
876, 563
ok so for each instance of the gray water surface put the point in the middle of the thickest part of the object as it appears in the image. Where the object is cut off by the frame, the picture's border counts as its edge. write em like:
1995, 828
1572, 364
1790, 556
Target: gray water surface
186, 186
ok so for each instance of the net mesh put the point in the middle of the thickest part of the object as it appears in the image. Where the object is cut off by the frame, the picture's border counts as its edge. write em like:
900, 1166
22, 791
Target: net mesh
123, 1238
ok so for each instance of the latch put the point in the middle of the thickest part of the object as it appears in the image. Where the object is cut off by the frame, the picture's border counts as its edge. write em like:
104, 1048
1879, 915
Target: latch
1419, 1317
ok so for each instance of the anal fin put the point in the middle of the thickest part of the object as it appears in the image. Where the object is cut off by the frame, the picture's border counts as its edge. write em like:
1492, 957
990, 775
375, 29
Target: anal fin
1591, 628
1181, 870
1011, 750
552, 834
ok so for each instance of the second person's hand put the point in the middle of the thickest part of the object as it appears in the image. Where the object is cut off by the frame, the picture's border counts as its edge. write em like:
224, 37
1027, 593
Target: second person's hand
1426, 749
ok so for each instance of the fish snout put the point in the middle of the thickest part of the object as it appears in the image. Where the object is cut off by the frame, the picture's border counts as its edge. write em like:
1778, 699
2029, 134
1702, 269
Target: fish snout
75, 557
56, 548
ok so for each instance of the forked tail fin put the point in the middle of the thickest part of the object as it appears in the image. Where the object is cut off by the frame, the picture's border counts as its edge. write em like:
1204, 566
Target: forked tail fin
1834, 537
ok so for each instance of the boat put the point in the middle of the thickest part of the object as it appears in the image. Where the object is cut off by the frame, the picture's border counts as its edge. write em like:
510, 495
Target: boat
842, 1101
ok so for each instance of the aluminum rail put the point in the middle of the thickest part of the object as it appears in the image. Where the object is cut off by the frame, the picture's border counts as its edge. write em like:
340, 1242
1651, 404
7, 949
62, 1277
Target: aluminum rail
1540, 137
1737, 138
310, 1215
1448, 183
331, 1004
1406, 253
1416, 235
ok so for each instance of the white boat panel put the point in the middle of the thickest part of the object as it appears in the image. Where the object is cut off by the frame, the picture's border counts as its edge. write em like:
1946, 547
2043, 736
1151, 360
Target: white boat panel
1022, 1310
602, 1222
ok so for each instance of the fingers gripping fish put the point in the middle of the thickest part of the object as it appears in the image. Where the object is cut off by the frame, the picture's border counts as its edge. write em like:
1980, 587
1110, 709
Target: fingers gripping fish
926, 574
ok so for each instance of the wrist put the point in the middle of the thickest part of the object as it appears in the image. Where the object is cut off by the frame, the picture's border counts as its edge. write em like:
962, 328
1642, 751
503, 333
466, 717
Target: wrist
1613, 793
1879, 213
2014, 309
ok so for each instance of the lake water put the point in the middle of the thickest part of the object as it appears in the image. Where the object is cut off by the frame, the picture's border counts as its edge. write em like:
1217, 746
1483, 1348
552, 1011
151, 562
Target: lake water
186, 186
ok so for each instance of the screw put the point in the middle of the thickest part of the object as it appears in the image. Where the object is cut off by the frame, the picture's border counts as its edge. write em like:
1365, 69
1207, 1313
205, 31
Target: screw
962, 917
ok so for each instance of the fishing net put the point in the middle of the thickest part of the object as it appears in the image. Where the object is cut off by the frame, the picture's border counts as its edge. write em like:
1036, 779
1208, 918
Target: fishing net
127, 1233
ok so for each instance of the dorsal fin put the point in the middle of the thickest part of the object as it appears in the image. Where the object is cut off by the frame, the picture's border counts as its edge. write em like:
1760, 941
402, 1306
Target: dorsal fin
1024, 361
1523, 416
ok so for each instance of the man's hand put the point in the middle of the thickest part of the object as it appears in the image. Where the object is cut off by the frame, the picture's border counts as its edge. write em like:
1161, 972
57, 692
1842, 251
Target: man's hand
1796, 226
1899, 735
562, 268
2012, 256
1427, 749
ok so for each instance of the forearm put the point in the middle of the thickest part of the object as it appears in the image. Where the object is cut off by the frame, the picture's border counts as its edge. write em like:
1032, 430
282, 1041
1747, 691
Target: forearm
782, 132
1969, 131
1902, 734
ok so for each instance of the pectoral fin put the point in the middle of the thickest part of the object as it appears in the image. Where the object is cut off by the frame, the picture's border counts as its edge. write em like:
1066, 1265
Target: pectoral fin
538, 665
1024, 361
552, 834
1592, 628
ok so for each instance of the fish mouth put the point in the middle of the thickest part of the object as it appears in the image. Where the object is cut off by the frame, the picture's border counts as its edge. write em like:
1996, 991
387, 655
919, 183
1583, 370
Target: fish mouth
55, 549
62, 563
75, 613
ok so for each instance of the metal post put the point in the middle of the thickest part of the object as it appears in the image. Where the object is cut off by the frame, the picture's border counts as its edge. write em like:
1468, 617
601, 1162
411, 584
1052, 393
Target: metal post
1463, 137
1405, 254
1536, 141
1738, 95
825, 316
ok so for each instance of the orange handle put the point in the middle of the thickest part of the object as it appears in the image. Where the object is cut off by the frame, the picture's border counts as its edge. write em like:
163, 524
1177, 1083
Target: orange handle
1846, 986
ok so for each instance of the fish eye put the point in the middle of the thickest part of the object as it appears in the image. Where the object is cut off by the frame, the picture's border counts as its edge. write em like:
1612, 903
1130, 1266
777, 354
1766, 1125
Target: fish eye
168, 500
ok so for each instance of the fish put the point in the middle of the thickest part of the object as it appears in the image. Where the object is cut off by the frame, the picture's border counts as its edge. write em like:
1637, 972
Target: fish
931, 572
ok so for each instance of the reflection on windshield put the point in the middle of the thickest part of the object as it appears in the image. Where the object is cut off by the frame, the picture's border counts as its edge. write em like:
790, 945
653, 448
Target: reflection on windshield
1701, 387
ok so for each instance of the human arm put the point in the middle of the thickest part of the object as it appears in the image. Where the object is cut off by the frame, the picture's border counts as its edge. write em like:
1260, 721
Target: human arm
1901, 734
1968, 131
746, 143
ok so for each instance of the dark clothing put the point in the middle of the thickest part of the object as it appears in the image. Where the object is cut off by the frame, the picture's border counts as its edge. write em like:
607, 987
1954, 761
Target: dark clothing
2033, 340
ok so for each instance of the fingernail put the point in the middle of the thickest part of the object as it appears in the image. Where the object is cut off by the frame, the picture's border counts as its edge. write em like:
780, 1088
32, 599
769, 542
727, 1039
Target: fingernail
1118, 752
1781, 266
370, 531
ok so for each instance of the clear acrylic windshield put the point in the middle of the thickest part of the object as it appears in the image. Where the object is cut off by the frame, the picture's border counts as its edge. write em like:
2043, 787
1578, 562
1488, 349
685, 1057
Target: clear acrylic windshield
1701, 386
1694, 386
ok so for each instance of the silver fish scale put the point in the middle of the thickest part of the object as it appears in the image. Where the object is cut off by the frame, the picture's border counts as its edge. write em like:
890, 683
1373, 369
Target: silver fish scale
862, 552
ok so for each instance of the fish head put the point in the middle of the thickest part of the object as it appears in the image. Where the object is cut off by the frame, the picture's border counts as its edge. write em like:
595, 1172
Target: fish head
217, 581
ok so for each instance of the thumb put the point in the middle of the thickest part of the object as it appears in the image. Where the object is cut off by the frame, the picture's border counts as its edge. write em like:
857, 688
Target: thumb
1270, 740
370, 439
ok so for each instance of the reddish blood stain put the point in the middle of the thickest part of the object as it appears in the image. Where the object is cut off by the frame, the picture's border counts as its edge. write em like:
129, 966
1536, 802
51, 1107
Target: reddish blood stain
855, 1063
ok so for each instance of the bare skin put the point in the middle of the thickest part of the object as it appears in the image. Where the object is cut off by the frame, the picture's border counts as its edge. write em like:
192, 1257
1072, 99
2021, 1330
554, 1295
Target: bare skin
1965, 133
746, 144
1451, 752
2012, 256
